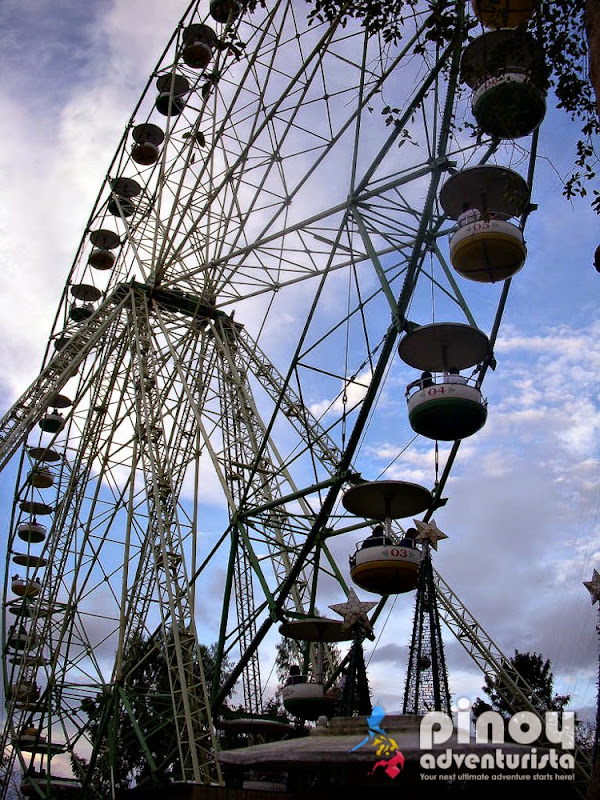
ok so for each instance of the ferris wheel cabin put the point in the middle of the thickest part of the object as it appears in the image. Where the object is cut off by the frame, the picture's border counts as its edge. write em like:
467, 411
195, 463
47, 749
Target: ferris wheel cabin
24, 693
52, 422
307, 699
123, 191
120, 206
19, 638
304, 696
25, 588
147, 140
225, 10
81, 313
486, 247
505, 69
88, 295
40, 477
445, 406
31, 531
383, 566
30, 739
172, 91
104, 242
199, 42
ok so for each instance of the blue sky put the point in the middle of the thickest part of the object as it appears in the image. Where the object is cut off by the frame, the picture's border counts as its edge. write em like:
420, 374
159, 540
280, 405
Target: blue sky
523, 513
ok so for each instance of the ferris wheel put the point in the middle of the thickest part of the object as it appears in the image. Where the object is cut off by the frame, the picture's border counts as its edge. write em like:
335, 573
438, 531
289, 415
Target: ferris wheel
275, 220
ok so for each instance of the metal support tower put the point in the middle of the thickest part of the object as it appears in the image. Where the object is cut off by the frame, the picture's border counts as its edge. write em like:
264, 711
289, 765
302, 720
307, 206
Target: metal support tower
427, 678
356, 698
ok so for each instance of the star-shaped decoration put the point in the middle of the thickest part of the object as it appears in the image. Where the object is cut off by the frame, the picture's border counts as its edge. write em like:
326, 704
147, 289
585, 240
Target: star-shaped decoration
429, 532
354, 612
593, 587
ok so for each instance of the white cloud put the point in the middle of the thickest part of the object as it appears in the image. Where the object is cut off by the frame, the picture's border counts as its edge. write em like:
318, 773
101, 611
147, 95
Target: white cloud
351, 393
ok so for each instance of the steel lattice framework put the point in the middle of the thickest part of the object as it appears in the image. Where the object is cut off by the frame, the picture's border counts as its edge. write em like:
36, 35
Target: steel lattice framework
427, 677
222, 390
